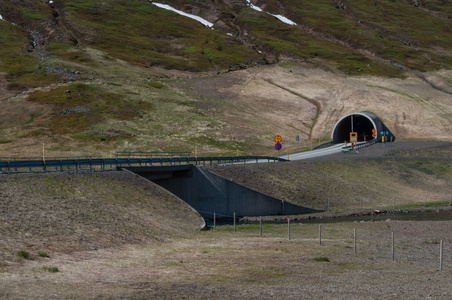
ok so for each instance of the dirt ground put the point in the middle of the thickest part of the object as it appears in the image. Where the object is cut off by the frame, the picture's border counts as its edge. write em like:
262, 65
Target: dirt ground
79, 211
221, 264
108, 237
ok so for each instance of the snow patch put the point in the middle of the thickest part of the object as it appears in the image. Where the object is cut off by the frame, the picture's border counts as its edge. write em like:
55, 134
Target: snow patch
253, 6
284, 19
279, 17
230, 34
1, 18
199, 19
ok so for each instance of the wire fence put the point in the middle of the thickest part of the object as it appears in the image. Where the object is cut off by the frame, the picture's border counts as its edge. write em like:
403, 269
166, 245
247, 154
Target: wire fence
373, 241
384, 203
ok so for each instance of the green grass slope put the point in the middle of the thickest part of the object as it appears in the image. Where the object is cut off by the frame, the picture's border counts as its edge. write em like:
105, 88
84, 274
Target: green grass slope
357, 36
348, 182
67, 212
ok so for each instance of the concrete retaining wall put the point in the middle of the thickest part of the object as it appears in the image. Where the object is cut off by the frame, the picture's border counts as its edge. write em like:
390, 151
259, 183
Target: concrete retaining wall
209, 193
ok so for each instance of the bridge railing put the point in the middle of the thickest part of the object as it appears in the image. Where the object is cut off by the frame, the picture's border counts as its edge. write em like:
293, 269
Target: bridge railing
31, 166
40, 158
119, 154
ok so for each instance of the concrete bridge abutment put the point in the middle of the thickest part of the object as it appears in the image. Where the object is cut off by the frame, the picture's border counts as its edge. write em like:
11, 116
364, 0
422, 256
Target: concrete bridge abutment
209, 193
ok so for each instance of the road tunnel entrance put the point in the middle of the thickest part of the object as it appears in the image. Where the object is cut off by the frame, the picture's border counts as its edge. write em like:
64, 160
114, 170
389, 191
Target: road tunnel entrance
362, 123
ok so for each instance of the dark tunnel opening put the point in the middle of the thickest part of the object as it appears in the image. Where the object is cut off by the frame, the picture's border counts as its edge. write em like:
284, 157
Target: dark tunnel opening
361, 125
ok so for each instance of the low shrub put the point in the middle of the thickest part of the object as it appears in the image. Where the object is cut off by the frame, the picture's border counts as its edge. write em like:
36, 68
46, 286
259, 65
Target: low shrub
51, 269
23, 254
43, 254
322, 259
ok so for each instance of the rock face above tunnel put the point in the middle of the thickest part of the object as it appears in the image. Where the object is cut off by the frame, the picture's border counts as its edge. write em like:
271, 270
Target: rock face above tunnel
361, 123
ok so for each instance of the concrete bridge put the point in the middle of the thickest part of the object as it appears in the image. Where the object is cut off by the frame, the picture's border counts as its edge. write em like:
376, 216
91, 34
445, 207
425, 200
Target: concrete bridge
209, 193
205, 191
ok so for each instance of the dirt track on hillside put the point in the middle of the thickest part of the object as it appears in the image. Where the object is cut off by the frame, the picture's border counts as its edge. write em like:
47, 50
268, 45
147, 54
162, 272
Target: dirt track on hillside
251, 106
269, 100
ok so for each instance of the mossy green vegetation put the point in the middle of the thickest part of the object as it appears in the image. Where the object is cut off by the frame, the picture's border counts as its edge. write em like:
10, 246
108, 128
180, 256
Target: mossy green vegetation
350, 35
67, 52
321, 259
143, 34
78, 107
286, 39
21, 67
23, 254
43, 254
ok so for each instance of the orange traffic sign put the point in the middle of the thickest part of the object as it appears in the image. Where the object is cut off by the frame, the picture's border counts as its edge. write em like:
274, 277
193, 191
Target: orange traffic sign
278, 138
374, 132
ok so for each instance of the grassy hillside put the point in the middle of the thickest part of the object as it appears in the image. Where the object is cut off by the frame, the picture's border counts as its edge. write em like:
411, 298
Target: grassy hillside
92, 77
67, 212
357, 36
348, 181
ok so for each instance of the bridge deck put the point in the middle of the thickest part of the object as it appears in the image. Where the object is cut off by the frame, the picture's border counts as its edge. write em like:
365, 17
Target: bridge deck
33, 165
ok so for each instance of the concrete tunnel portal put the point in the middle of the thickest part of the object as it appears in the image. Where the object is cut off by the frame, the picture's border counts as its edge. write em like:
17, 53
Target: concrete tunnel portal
361, 123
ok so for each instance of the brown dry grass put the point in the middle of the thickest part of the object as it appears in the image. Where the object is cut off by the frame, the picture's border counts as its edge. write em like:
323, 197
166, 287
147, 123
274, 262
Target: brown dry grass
220, 264
67, 212
348, 179
114, 235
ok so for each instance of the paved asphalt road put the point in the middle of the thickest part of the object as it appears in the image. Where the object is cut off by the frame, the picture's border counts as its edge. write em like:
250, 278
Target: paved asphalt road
337, 148
378, 150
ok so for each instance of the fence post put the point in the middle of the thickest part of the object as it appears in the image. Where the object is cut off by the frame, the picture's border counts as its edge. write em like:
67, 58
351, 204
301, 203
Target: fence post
260, 221
354, 240
392, 248
328, 204
441, 255
234, 223
288, 227
393, 201
320, 234
214, 220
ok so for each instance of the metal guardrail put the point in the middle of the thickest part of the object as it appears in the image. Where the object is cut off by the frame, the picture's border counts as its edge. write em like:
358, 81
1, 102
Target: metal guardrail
31, 166
323, 145
40, 158
151, 154
359, 146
